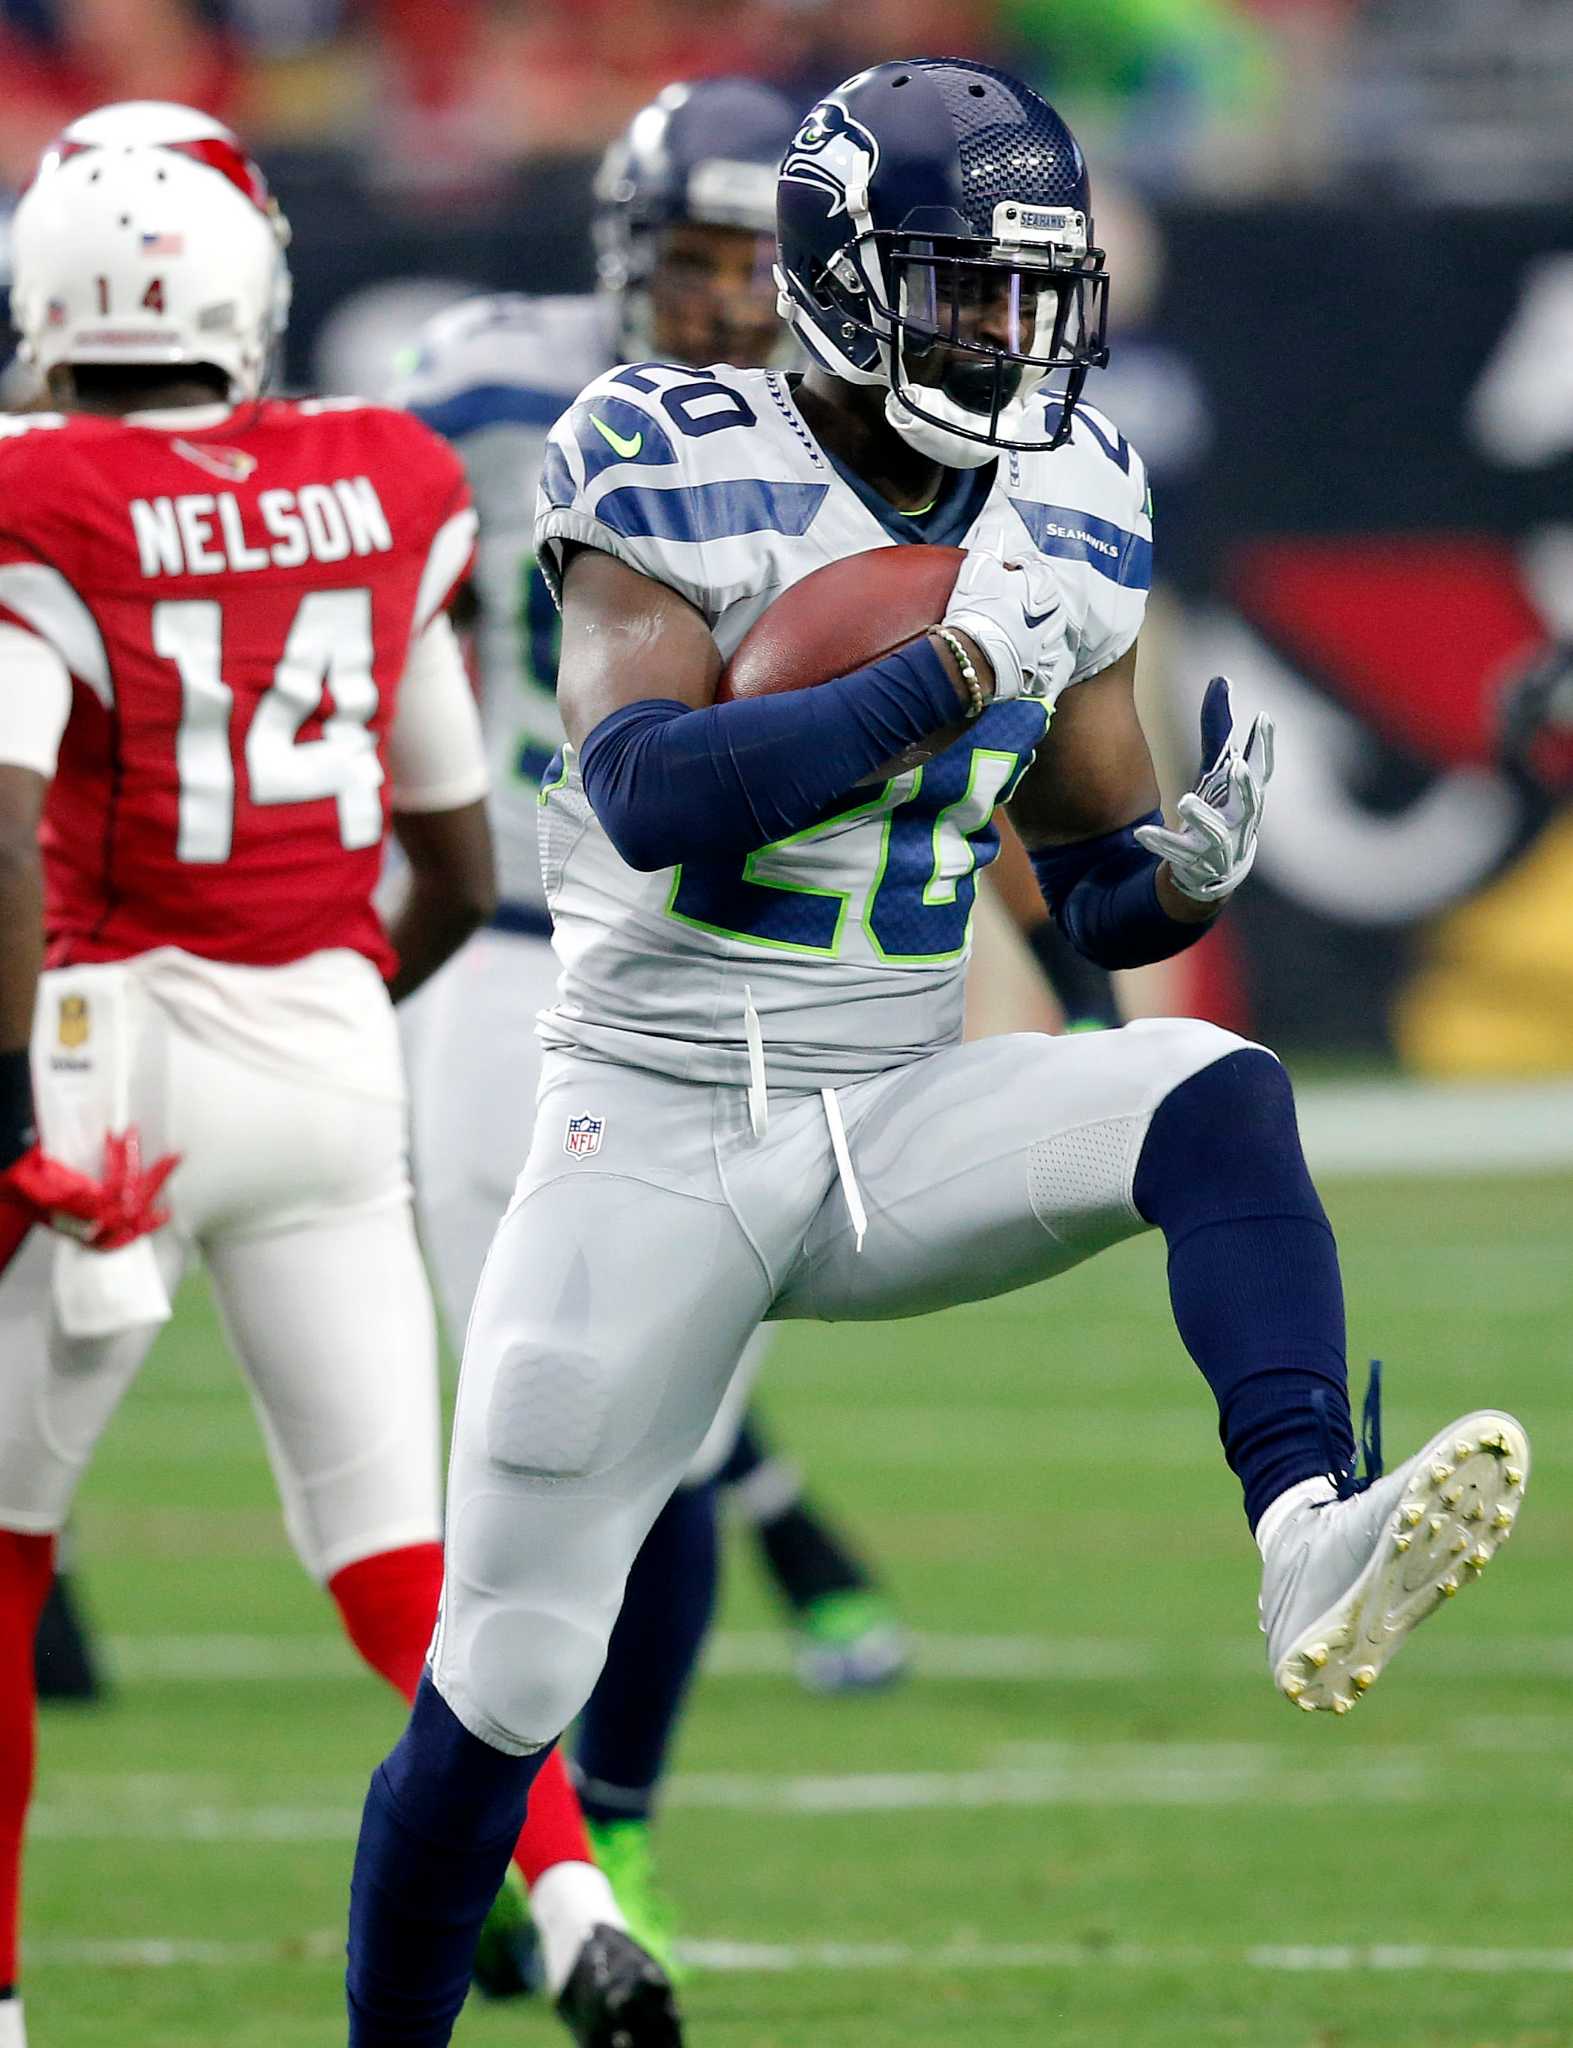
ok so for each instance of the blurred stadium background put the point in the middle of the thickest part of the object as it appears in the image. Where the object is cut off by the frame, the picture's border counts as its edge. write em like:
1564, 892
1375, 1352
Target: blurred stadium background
1342, 255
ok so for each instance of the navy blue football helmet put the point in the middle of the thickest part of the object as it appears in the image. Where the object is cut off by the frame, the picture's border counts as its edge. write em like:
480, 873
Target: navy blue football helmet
703, 154
935, 225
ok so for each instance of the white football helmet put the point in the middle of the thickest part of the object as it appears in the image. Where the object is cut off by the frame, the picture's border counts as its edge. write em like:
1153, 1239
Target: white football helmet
149, 236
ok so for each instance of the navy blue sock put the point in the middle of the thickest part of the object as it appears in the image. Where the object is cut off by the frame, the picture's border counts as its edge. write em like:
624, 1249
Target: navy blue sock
1253, 1271
747, 1454
626, 1729
441, 1819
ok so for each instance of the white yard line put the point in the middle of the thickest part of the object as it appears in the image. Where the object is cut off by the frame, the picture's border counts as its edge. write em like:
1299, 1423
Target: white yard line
968, 1659
79, 1808
758, 1957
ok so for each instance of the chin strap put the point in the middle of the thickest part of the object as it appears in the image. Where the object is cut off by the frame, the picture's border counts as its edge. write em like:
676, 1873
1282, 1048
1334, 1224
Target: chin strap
938, 443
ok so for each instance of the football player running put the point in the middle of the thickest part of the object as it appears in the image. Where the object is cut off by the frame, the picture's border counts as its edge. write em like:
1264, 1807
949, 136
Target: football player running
763, 943
224, 661
685, 229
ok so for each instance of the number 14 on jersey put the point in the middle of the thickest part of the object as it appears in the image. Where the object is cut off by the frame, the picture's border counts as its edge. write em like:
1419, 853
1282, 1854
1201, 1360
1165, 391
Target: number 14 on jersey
328, 648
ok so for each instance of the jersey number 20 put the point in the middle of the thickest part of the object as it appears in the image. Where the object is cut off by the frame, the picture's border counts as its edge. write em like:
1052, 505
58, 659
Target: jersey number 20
329, 643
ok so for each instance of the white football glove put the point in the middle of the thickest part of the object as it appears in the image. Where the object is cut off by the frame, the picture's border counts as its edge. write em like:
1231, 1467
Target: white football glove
1211, 852
1013, 611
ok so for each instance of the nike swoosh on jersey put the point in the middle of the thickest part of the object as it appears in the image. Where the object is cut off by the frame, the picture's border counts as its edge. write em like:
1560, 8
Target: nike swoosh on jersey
619, 444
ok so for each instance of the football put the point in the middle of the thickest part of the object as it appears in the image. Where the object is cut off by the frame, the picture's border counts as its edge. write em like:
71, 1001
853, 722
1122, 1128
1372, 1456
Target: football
843, 617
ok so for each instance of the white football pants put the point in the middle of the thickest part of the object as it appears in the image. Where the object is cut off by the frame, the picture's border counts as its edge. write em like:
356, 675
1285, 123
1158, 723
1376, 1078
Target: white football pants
281, 1089
621, 1287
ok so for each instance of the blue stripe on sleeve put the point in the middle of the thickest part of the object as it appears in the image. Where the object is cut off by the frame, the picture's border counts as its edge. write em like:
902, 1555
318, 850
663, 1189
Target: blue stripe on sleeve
1123, 557
699, 512
493, 405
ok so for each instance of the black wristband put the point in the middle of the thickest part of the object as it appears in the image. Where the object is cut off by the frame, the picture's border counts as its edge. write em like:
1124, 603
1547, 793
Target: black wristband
16, 1107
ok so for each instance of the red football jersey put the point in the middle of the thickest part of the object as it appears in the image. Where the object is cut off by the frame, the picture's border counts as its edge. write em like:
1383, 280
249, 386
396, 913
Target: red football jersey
235, 603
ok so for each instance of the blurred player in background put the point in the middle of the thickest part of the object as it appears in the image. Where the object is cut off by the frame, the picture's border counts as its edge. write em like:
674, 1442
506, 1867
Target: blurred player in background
757, 1104
225, 659
685, 234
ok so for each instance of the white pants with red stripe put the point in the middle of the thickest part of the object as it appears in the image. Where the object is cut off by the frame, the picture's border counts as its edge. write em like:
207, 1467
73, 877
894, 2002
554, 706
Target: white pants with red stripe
282, 1091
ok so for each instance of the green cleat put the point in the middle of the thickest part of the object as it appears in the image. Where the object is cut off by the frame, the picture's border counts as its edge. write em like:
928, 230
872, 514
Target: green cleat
850, 1642
623, 1850
508, 1956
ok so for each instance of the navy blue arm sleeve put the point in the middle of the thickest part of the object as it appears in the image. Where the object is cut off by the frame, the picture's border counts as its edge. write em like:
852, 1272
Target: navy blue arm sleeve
671, 784
1104, 896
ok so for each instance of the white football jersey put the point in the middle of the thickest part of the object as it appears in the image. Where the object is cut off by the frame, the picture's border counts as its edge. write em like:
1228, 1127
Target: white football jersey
491, 375
848, 940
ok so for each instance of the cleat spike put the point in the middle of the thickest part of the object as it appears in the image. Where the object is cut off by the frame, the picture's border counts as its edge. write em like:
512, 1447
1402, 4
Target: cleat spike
1479, 1559
1463, 1449
1439, 1472
1341, 1704
1402, 1543
1316, 1656
1436, 1525
1514, 1475
1364, 1678
1452, 1495
1294, 1688
1459, 1545
1306, 1706
1475, 1512
1449, 1587
1493, 1440
1410, 1514
1502, 1519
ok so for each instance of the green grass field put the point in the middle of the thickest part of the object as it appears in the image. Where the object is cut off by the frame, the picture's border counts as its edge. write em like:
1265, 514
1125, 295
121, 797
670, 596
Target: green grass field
1087, 1820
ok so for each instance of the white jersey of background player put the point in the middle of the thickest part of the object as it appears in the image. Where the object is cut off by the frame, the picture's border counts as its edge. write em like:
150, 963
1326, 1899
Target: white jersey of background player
492, 375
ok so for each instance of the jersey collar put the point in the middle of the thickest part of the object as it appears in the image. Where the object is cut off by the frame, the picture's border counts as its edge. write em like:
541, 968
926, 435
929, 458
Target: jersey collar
192, 419
942, 525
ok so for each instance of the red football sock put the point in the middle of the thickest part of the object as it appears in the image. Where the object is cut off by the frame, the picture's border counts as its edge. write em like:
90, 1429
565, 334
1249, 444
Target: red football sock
554, 1825
27, 1564
389, 1606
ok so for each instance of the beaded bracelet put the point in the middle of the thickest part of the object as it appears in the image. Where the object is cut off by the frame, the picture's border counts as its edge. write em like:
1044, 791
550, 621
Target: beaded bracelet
977, 702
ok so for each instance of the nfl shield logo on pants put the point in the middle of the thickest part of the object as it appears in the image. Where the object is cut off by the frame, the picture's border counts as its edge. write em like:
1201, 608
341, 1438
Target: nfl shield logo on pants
583, 1136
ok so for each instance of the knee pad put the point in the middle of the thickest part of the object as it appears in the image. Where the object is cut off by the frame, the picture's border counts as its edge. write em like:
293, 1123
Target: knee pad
557, 1412
522, 1674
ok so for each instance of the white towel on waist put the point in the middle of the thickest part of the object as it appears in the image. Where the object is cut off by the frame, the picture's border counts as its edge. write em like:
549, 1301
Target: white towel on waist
81, 1090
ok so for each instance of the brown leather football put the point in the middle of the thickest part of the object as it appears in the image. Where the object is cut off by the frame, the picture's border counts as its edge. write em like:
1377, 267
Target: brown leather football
843, 617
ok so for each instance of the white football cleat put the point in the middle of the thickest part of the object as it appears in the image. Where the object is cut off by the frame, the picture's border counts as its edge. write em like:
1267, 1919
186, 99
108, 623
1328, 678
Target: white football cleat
1344, 1581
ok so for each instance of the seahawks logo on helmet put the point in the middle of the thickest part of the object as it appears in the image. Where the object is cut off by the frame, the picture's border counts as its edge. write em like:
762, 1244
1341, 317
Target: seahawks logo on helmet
834, 153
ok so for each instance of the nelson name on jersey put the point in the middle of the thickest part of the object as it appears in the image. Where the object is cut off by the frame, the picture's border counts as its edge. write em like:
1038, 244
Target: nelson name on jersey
203, 533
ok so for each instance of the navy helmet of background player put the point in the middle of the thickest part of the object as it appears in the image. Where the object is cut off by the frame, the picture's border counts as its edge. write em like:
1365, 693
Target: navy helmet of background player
915, 195
685, 223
